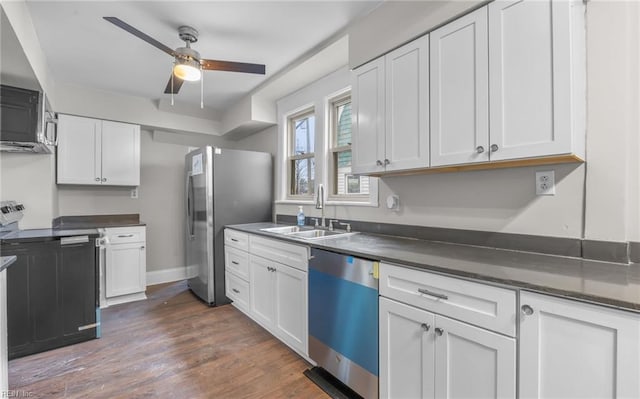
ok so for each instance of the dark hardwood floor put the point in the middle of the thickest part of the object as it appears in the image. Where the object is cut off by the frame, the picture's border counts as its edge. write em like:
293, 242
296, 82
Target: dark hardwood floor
169, 346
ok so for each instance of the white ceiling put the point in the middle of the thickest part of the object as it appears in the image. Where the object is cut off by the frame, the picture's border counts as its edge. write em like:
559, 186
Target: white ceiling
83, 49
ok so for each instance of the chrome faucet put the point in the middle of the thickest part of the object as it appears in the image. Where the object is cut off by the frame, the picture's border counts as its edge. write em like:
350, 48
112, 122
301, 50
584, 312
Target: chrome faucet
320, 202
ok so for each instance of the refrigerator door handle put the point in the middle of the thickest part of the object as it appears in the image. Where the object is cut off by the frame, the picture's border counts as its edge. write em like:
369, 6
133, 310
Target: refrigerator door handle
189, 195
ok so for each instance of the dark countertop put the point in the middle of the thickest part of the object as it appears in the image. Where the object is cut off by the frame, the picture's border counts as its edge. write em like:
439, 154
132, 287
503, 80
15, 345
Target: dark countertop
96, 221
610, 284
6, 261
32, 235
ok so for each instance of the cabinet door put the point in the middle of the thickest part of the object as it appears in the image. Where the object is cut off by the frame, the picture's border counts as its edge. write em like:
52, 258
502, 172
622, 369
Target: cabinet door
120, 154
570, 349
77, 288
406, 351
291, 306
472, 362
367, 100
530, 78
79, 147
125, 269
261, 286
460, 91
407, 106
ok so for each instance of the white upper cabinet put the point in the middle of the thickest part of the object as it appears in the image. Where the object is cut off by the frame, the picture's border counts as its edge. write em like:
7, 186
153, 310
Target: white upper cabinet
390, 98
407, 106
367, 101
570, 349
460, 91
536, 78
93, 151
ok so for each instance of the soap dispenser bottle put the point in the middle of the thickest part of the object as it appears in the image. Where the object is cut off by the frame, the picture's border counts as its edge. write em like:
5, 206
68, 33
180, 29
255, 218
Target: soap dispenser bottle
300, 216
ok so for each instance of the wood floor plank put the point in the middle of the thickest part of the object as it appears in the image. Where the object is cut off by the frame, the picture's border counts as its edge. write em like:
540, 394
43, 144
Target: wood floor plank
169, 346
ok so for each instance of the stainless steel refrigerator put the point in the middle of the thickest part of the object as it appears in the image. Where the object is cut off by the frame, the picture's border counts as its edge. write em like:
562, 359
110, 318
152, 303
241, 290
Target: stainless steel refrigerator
222, 187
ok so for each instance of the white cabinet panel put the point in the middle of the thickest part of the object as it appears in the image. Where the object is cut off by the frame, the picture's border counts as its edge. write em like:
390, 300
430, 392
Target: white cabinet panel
237, 262
124, 274
236, 239
460, 91
238, 291
472, 362
290, 293
531, 78
261, 280
570, 349
407, 106
282, 252
407, 351
78, 153
4, 349
120, 153
368, 102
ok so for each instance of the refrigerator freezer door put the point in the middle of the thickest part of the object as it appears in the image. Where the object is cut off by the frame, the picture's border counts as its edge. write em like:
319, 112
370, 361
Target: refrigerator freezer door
199, 225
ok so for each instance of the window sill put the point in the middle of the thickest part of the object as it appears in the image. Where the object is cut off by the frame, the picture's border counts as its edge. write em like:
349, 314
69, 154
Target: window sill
327, 203
295, 202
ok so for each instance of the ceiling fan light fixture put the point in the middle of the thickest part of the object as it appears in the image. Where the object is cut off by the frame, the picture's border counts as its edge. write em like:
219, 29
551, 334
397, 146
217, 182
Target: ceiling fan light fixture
187, 69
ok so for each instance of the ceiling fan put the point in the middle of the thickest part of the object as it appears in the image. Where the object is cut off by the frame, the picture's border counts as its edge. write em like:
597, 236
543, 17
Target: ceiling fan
188, 65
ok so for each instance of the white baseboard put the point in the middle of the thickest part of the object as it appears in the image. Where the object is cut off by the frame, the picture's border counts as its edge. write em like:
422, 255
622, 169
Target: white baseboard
171, 275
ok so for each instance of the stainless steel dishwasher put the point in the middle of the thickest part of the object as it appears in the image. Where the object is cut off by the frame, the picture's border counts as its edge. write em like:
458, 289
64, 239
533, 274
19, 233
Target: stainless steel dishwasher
343, 319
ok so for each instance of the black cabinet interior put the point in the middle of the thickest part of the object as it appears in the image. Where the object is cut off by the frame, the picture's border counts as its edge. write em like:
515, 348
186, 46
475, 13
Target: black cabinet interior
51, 295
19, 110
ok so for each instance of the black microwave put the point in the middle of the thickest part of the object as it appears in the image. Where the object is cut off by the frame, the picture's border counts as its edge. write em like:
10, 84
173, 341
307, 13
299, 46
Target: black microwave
23, 126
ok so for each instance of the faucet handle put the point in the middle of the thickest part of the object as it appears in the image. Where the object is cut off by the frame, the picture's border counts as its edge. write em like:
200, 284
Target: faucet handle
346, 224
315, 222
331, 222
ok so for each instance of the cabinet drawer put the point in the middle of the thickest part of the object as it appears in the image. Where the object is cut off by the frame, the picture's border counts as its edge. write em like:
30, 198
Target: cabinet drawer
121, 235
485, 306
237, 262
237, 291
236, 239
289, 254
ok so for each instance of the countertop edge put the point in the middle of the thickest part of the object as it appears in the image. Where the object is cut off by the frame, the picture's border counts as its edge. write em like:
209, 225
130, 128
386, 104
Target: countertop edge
478, 277
6, 261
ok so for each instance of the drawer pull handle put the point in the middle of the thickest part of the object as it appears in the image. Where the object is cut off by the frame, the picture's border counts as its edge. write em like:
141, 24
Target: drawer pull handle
125, 235
234, 240
433, 294
439, 331
425, 326
235, 290
234, 262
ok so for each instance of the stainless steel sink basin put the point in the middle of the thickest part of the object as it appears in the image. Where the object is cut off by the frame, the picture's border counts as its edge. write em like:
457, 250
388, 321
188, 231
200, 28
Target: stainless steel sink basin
313, 234
282, 230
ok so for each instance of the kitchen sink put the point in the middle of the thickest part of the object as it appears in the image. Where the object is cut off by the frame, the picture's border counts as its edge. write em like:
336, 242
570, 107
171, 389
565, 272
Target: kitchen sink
282, 230
313, 234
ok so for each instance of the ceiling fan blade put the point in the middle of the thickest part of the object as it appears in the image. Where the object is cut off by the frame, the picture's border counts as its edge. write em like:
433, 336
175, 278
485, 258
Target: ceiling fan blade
177, 84
217, 65
121, 24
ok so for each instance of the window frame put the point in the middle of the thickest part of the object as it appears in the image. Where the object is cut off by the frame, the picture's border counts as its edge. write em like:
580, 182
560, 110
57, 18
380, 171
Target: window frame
292, 157
332, 149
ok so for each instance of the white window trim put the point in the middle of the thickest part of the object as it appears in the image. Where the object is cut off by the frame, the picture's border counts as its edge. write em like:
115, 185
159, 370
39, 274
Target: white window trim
303, 110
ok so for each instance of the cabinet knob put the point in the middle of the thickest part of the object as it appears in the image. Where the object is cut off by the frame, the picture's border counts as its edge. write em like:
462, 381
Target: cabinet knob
142, 247
379, 162
526, 310
387, 162
97, 179
479, 149
494, 147
439, 331
104, 179
425, 326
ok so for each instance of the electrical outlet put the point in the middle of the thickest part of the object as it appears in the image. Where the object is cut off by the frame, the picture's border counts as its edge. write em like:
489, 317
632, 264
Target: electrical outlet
546, 183
134, 192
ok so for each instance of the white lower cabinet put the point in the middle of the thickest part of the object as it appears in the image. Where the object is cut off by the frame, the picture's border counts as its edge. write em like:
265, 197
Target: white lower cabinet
269, 284
125, 268
570, 349
424, 355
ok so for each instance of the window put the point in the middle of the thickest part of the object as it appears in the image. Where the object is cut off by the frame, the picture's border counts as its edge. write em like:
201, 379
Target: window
301, 132
344, 184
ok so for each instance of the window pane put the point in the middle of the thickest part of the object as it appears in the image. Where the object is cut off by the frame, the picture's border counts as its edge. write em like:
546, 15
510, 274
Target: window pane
346, 183
304, 134
303, 176
343, 128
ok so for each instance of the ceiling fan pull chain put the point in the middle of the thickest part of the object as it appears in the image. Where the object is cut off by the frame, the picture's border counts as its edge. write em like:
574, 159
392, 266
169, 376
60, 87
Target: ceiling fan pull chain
201, 89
